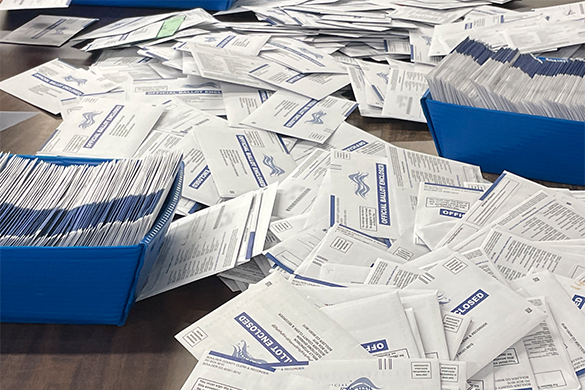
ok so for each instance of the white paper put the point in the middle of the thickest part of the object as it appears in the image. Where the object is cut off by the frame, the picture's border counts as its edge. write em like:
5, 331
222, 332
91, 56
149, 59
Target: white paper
512, 369
391, 273
32, 4
406, 86
301, 57
201, 244
314, 85
455, 327
430, 325
291, 252
515, 257
249, 44
348, 138
343, 274
411, 168
568, 317
297, 192
220, 64
506, 193
547, 353
240, 101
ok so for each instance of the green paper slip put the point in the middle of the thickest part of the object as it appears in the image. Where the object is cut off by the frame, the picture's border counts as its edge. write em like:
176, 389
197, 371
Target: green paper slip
170, 26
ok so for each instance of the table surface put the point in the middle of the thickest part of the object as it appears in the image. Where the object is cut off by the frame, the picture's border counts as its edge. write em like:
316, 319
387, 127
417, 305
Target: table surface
142, 354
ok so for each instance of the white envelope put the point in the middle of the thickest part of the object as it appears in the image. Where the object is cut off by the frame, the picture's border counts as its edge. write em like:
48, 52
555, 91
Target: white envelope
45, 85
301, 57
217, 369
297, 192
568, 317
438, 208
547, 353
378, 323
314, 85
47, 30
242, 160
201, 244
271, 324
512, 369
106, 128
298, 116
240, 101
342, 245
360, 197
500, 316
348, 138
380, 373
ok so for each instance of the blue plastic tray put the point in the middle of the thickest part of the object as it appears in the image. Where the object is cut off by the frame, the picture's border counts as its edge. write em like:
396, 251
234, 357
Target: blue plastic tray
80, 285
532, 146
210, 5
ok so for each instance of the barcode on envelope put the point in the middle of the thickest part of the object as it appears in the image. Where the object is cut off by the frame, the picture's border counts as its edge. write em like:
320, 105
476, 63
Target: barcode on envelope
298, 199
426, 278
384, 363
195, 336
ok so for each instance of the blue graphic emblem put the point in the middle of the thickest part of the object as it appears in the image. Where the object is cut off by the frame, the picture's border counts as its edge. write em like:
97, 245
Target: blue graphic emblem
210, 39
307, 51
427, 39
383, 75
241, 352
275, 170
72, 79
362, 188
443, 299
362, 383
317, 118
59, 30
88, 119
209, 84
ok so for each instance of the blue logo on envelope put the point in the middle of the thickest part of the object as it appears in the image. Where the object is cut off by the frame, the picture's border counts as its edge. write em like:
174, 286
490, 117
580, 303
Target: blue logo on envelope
317, 118
88, 119
60, 30
362, 383
275, 170
72, 79
362, 188
241, 352
383, 75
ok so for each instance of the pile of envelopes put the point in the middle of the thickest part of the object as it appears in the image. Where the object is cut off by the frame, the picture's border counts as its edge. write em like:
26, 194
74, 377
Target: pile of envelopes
363, 265
114, 203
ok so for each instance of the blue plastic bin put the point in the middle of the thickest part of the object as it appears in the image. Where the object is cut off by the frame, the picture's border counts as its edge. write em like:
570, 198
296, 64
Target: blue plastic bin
532, 146
80, 285
210, 5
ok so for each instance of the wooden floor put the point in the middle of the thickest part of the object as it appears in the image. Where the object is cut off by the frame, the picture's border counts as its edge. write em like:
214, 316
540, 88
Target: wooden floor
143, 353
